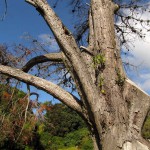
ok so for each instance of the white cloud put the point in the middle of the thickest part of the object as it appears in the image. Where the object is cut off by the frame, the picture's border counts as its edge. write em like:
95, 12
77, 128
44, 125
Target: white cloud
44, 37
144, 82
141, 52
141, 58
49, 41
139, 55
146, 85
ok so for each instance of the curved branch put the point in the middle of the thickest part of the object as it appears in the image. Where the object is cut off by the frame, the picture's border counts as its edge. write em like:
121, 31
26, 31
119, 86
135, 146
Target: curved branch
55, 57
44, 85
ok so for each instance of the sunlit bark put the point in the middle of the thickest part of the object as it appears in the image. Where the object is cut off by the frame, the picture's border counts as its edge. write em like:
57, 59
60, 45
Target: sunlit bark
113, 107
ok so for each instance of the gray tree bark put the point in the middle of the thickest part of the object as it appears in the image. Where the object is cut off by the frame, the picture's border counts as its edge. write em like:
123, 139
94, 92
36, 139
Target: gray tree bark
113, 107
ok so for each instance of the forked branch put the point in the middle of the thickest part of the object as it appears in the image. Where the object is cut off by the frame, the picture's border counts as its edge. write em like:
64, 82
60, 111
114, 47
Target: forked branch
72, 54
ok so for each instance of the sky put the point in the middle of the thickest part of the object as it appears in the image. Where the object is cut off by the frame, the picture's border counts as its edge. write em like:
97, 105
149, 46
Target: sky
22, 18
139, 57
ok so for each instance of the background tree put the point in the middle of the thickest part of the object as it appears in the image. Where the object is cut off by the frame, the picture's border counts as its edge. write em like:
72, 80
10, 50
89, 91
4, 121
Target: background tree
112, 106
61, 120
63, 129
17, 121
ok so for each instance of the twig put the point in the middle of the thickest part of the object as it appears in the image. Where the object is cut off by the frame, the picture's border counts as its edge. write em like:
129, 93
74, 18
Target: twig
26, 110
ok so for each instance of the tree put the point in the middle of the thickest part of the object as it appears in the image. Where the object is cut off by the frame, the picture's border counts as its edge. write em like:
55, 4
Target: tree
112, 106
63, 129
17, 121
60, 120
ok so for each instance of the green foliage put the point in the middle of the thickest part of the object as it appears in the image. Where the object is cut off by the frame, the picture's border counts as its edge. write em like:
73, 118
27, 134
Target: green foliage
146, 128
45, 138
101, 81
120, 79
62, 120
16, 133
99, 59
77, 139
28, 148
87, 144
70, 148
80, 139
41, 128
100, 84
63, 129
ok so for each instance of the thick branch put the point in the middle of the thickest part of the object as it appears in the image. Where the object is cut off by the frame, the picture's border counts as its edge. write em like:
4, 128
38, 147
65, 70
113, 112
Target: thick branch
44, 85
78, 66
68, 44
138, 103
55, 57
62, 34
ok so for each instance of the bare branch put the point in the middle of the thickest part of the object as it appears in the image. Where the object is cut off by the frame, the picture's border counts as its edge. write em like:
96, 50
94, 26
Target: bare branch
70, 48
31, 2
44, 85
26, 111
4, 15
80, 30
55, 57
64, 37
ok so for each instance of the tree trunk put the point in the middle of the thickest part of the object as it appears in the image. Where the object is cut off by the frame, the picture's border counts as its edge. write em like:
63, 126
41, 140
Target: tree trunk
113, 107
125, 133
126, 106
118, 139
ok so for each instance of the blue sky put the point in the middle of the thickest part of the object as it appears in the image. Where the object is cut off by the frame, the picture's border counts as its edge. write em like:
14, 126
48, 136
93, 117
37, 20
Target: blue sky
139, 56
22, 18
